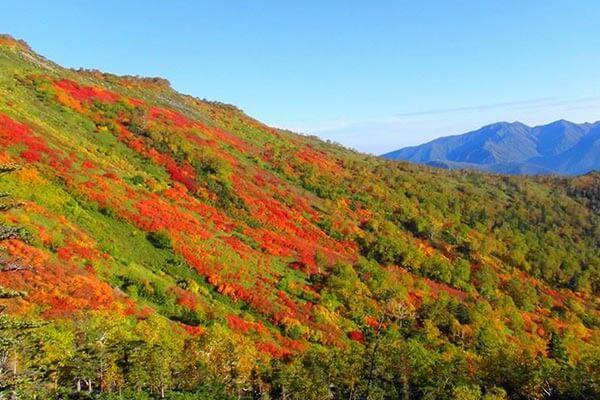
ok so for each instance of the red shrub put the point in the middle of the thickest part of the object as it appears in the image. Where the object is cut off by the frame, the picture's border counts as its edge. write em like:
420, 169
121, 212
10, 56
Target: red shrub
13, 133
372, 322
357, 336
74, 250
193, 330
239, 325
86, 93
273, 350
170, 117
186, 299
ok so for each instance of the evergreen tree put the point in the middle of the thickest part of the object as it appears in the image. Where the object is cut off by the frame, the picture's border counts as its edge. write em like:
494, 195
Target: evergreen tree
557, 349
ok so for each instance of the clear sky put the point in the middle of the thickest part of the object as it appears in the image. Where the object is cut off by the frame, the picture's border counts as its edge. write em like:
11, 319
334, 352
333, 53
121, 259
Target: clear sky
373, 75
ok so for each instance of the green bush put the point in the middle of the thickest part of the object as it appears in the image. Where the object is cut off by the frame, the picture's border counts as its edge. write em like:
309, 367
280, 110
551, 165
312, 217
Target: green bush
160, 240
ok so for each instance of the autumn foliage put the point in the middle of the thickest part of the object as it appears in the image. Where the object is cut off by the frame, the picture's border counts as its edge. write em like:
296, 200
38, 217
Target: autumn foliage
271, 264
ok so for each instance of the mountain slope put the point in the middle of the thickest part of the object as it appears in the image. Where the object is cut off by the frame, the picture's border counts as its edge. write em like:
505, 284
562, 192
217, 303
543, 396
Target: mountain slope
561, 147
165, 245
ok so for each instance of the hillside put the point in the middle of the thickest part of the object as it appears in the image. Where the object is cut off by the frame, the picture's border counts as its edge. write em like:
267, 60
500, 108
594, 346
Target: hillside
560, 147
155, 245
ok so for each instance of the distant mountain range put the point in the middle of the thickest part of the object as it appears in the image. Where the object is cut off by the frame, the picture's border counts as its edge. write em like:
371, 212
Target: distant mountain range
561, 147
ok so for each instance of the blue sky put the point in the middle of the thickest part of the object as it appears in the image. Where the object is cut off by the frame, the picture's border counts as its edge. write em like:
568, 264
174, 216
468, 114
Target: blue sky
373, 75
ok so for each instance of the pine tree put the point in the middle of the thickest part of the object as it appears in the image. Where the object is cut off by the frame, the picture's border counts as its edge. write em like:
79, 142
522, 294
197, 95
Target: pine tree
7, 203
557, 349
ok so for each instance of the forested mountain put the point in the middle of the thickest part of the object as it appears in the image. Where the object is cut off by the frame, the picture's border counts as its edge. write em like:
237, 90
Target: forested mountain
155, 245
561, 147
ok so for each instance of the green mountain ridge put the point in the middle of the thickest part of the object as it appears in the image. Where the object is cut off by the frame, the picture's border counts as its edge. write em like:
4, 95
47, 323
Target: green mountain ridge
156, 245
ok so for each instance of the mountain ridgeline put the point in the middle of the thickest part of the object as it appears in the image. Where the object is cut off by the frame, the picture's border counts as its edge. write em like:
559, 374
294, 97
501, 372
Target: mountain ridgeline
561, 147
157, 245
